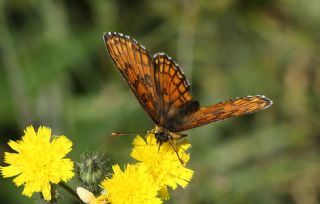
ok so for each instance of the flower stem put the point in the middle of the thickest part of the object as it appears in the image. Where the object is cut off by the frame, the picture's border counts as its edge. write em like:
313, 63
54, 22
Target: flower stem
70, 190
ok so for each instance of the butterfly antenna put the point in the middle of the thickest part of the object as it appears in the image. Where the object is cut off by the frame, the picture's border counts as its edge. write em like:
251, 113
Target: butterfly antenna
175, 150
125, 133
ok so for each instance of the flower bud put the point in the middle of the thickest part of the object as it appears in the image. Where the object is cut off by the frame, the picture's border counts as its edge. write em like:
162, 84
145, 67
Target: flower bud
92, 169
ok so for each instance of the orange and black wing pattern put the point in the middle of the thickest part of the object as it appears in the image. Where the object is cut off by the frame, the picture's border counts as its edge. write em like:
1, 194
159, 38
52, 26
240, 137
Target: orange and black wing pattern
220, 111
164, 92
172, 87
136, 66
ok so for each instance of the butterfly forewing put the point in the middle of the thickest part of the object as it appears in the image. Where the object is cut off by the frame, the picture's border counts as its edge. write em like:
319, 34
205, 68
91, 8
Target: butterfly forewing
136, 66
221, 111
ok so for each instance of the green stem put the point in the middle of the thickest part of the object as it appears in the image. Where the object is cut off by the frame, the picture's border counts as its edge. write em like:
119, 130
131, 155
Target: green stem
70, 190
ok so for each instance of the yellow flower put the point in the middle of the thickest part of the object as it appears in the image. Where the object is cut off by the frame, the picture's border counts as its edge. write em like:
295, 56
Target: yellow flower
133, 186
162, 162
39, 161
88, 197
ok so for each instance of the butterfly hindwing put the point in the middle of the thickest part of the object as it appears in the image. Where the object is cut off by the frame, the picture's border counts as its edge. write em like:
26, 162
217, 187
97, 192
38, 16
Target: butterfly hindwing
220, 111
136, 66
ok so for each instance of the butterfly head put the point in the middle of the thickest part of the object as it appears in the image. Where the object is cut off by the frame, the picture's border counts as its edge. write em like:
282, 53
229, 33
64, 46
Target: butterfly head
161, 135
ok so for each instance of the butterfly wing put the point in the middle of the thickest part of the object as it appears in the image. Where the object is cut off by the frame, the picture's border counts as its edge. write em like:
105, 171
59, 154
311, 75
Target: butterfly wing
136, 67
164, 92
221, 111
173, 90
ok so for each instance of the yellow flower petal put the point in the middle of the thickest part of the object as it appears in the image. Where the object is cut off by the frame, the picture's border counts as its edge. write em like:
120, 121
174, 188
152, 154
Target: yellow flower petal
63, 145
14, 145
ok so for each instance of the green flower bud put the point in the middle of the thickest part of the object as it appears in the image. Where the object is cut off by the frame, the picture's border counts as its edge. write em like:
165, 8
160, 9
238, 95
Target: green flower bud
92, 169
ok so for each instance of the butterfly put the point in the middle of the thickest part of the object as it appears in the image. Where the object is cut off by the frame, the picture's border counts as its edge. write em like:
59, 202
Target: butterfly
164, 92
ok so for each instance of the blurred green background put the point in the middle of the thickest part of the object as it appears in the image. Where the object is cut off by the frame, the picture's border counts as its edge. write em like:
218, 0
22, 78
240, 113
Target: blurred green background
55, 71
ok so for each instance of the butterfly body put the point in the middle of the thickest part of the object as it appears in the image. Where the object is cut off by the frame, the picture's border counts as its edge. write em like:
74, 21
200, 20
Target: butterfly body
164, 92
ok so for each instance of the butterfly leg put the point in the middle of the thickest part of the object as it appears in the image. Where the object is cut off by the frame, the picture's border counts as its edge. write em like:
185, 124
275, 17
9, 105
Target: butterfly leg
175, 149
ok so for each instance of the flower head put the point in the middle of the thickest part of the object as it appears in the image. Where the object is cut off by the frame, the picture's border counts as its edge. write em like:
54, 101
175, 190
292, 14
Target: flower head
162, 161
39, 161
133, 186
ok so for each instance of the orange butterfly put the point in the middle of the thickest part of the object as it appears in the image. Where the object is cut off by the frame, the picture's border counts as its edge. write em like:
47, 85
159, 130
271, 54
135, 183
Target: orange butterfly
164, 92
